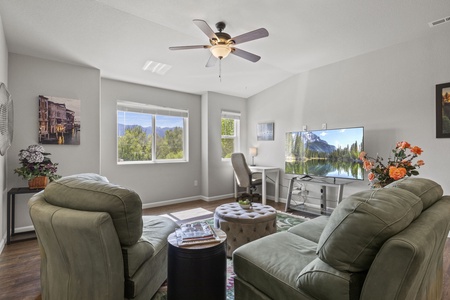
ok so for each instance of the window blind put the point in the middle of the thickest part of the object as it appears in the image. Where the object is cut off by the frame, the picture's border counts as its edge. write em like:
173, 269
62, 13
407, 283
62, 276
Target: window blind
231, 115
151, 109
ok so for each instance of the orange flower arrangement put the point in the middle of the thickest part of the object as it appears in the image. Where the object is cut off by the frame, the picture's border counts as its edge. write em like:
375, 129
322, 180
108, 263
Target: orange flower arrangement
401, 166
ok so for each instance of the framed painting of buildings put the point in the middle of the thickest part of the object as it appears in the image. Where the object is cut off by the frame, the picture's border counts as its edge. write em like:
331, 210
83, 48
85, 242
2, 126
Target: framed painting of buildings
264, 131
59, 121
443, 110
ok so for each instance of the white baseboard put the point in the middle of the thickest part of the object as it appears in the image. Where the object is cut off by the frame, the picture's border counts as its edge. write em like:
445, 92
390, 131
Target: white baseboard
199, 197
187, 199
24, 229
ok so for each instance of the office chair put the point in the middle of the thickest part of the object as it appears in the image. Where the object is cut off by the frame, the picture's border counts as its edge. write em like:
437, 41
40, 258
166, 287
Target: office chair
245, 178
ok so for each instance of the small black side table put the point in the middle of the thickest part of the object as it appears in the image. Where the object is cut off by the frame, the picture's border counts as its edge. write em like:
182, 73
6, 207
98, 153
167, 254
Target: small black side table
12, 237
197, 272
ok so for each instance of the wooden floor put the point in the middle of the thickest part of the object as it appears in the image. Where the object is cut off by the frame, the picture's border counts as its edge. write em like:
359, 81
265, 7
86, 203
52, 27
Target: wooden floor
20, 262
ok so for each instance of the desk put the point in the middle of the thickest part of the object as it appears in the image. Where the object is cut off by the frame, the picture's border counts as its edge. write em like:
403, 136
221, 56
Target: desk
264, 171
11, 212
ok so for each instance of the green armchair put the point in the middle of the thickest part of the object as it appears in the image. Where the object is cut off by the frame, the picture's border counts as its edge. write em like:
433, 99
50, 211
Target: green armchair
95, 243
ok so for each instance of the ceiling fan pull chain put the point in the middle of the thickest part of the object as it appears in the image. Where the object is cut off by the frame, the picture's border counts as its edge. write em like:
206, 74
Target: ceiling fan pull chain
220, 70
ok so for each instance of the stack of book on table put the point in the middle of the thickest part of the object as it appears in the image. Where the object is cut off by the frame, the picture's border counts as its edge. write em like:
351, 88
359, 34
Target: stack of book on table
196, 233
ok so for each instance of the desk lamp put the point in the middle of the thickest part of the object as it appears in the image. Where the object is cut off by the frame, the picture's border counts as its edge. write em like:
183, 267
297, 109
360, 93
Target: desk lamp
253, 153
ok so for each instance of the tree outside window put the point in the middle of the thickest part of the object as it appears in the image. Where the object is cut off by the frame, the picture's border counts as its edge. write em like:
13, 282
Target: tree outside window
139, 128
230, 134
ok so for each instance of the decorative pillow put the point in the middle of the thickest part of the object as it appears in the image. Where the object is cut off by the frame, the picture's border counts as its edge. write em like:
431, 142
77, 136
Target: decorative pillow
426, 189
360, 225
123, 205
318, 279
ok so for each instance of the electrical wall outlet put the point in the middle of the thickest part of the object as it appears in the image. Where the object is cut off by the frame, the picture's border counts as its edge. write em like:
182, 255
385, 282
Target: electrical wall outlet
305, 127
324, 125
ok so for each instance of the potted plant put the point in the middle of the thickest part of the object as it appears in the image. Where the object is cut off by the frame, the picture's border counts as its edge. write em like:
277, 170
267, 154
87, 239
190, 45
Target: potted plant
36, 167
245, 203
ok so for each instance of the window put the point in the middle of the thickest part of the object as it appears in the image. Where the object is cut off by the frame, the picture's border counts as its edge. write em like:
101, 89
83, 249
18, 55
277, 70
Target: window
149, 133
230, 133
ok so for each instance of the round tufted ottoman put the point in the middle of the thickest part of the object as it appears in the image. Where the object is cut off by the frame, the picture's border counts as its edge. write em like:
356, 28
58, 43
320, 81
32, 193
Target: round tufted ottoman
245, 225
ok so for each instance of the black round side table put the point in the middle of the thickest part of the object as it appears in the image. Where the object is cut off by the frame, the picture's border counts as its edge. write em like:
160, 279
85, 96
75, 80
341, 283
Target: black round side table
198, 271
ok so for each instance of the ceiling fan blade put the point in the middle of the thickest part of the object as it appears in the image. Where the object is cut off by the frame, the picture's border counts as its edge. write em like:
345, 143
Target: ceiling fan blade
250, 36
246, 55
205, 28
190, 47
211, 61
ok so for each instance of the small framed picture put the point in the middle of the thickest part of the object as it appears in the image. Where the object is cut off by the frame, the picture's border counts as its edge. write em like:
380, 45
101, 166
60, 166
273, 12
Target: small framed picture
264, 131
443, 110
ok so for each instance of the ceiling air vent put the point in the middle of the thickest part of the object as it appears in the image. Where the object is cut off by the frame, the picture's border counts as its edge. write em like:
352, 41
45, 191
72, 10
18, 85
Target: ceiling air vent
156, 67
439, 22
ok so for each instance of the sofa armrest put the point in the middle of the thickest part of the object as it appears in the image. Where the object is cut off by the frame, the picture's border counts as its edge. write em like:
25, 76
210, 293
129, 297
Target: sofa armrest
409, 265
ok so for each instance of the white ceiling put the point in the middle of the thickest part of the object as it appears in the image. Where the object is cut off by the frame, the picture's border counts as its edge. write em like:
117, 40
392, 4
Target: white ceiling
118, 36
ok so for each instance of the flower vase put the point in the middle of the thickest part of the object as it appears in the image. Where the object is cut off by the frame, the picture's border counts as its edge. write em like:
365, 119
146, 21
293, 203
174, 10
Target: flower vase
39, 182
379, 185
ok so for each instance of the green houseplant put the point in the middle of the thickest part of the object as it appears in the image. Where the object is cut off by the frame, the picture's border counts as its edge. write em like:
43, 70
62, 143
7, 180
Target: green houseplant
36, 164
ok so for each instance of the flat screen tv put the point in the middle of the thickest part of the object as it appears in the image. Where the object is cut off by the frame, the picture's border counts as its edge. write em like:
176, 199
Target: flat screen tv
325, 153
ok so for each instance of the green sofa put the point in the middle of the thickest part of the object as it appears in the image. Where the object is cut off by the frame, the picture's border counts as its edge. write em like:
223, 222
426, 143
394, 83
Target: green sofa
377, 244
95, 243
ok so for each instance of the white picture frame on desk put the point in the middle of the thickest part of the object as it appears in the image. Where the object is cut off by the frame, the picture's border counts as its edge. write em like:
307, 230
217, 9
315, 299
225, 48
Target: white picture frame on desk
264, 131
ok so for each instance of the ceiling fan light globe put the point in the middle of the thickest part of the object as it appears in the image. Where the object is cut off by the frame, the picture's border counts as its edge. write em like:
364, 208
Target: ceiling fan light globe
220, 51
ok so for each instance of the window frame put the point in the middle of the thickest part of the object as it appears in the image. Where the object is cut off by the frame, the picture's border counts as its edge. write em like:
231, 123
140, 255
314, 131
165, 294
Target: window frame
153, 111
236, 116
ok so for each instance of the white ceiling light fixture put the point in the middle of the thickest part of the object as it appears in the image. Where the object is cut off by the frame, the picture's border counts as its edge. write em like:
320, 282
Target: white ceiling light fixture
220, 51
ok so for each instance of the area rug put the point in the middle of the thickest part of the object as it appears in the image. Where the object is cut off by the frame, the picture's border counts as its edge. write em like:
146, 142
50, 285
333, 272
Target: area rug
284, 222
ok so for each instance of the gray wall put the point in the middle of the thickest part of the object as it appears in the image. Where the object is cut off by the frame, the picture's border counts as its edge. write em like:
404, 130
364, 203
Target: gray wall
30, 77
391, 92
4, 79
169, 182
217, 176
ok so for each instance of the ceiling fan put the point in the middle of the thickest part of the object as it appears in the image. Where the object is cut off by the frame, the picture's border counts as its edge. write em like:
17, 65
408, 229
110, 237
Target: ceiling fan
222, 44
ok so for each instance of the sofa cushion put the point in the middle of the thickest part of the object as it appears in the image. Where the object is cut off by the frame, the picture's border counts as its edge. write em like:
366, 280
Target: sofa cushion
318, 279
272, 263
426, 189
360, 225
123, 205
310, 230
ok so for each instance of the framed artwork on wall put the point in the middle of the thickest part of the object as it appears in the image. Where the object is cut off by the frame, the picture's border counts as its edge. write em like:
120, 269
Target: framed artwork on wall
59, 121
443, 110
264, 131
